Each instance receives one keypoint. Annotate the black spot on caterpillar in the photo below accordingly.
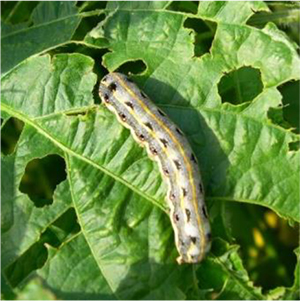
(177, 164)
(164, 142)
(148, 125)
(167, 145)
(129, 104)
(153, 150)
(188, 214)
(166, 172)
(194, 239)
(112, 87)
(141, 137)
(122, 116)
(172, 196)
(106, 98)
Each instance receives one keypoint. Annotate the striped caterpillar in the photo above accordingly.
(166, 144)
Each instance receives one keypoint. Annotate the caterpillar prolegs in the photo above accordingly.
(166, 144)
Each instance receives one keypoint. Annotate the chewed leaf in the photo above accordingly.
(244, 141)
(53, 24)
(49, 81)
(225, 11)
(232, 271)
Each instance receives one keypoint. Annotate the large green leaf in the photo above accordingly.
(125, 247)
(54, 22)
(124, 232)
(244, 157)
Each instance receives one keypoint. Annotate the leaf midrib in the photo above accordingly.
(31, 122)
(179, 107)
(224, 111)
(236, 279)
(80, 15)
(83, 228)
(41, 25)
(67, 150)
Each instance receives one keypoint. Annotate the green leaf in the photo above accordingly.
(49, 81)
(35, 290)
(17, 11)
(72, 272)
(225, 278)
(226, 11)
(19, 238)
(124, 232)
(135, 5)
(53, 23)
(250, 159)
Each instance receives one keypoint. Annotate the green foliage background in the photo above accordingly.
(83, 210)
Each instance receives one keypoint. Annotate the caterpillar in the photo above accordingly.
(166, 144)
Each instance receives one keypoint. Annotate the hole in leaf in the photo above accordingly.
(95, 54)
(276, 116)
(62, 229)
(267, 243)
(34, 258)
(132, 67)
(294, 146)
(204, 34)
(290, 99)
(184, 6)
(10, 134)
(41, 178)
(90, 5)
(85, 26)
(240, 85)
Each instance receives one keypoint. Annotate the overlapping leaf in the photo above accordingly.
(53, 23)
